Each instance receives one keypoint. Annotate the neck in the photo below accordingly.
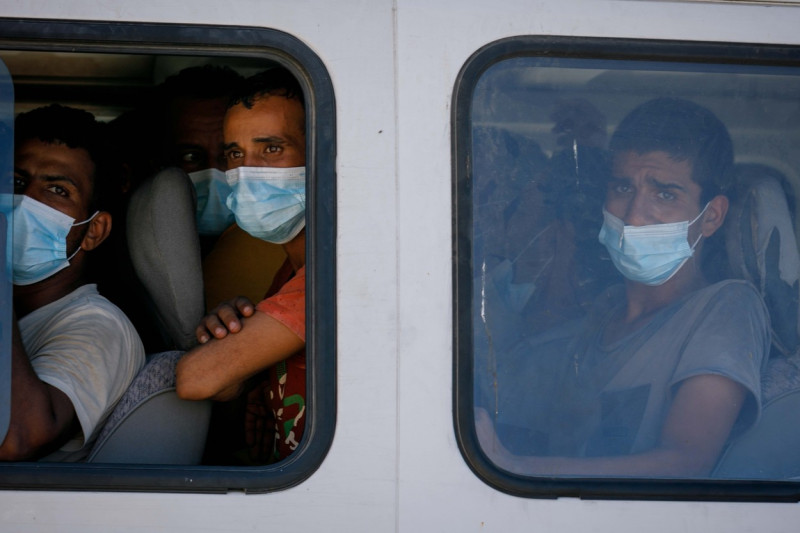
(644, 300)
(296, 251)
(29, 298)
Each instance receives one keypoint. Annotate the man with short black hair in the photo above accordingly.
(667, 366)
(189, 108)
(74, 353)
(265, 147)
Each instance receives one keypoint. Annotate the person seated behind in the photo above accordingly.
(73, 352)
(265, 147)
(536, 265)
(192, 107)
(667, 366)
(188, 112)
(179, 124)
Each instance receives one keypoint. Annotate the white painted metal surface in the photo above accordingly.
(394, 464)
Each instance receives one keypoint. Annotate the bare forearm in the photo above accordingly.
(693, 436)
(655, 463)
(41, 415)
(206, 373)
(218, 368)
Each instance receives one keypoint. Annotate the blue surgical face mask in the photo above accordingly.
(515, 296)
(213, 215)
(648, 254)
(39, 240)
(269, 202)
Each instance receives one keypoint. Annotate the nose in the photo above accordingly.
(216, 159)
(250, 160)
(638, 210)
(24, 187)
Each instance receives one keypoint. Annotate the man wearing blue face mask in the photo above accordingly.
(190, 109)
(666, 368)
(74, 353)
(265, 148)
(192, 105)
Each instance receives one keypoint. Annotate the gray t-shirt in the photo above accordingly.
(569, 394)
(83, 345)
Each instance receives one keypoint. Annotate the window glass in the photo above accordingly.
(126, 88)
(626, 241)
(6, 178)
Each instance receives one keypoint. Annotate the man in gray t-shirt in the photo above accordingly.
(665, 368)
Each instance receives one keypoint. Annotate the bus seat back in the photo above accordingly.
(165, 251)
(150, 424)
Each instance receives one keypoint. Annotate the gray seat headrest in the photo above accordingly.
(762, 248)
(165, 251)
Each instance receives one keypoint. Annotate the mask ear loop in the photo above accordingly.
(701, 214)
(695, 220)
(80, 224)
(693, 246)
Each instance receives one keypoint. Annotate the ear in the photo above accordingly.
(714, 215)
(99, 228)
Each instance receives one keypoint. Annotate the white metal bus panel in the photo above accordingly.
(394, 464)
(437, 41)
(434, 42)
(355, 488)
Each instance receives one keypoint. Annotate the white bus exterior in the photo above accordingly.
(394, 463)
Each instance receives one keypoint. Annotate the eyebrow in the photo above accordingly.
(617, 180)
(184, 146)
(271, 140)
(667, 186)
(49, 178)
(262, 140)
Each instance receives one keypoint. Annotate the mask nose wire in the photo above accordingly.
(695, 219)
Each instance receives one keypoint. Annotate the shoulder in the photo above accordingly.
(288, 305)
(294, 285)
(83, 317)
(725, 305)
(726, 324)
(730, 295)
(82, 304)
(733, 286)
(88, 306)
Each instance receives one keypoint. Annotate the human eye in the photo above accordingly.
(667, 196)
(233, 154)
(620, 187)
(192, 157)
(273, 149)
(19, 183)
(57, 189)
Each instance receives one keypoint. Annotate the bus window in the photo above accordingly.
(627, 265)
(138, 95)
(6, 180)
